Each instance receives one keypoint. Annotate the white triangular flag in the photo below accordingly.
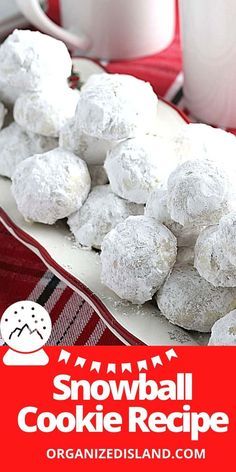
(64, 356)
(80, 361)
(156, 360)
(142, 365)
(95, 366)
(111, 368)
(126, 366)
(171, 353)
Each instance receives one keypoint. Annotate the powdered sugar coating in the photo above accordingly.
(227, 235)
(91, 149)
(137, 256)
(8, 94)
(46, 112)
(223, 332)
(201, 141)
(189, 301)
(30, 60)
(98, 175)
(50, 186)
(156, 207)
(210, 259)
(3, 113)
(16, 145)
(198, 192)
(138, 165)
(116, 106)
(101, 212)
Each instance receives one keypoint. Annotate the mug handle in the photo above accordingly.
(33, 12)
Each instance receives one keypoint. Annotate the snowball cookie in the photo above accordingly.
(98, 175)
(8, 94)
(198, 192)
(189, 301)
(156, 207)
(91, 149)
(137, 255)
(46, 112)
(101, 212)
(116, 106)
(138, 165)
(30, 60)
(3, 113)
(227, 235)
(16, 145)
(50, 186)
(210, 259)
(197, 140)
(223, 332)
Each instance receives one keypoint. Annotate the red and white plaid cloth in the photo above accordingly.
(23, 276)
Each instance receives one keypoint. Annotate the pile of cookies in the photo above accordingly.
(162, 209)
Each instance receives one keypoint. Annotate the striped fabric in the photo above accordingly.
(24, 277)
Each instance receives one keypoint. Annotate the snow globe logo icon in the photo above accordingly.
(25, 327)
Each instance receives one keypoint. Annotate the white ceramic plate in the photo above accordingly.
(80, 269)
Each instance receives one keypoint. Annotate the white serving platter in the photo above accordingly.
(80, 269)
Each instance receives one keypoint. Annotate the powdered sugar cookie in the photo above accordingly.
(50, 186)
(198, 192)
(223, 332)
(8, 94)
(137, 256)
(156, 207)
(46, 112)
(3, 113)
(189, 301)
(138, 165)
(210, 259)
(101, 212)
(116, 106)
(91, 149)
(30, 60)
(227, 235)
(16, 145)
(201, 141)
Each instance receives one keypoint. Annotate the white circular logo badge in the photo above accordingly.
(25, 326)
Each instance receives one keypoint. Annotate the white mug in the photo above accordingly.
(109, 29)
(209, 56)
